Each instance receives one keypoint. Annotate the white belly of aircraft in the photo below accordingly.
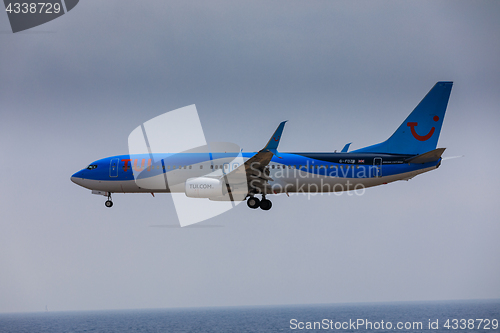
(312, 183)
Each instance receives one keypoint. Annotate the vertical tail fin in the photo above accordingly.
(419, 133)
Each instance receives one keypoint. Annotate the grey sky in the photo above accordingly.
(73, 89)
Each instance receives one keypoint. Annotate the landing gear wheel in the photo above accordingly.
(109, 203)
(253, 202)
(266, 204)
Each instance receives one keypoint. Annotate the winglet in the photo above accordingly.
(346, 147)
(272, 144)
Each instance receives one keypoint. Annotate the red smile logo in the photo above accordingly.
(421, 137)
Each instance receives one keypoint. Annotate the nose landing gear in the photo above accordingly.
(255, 203)
(108, 202)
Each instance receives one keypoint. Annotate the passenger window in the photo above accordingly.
(201, 166)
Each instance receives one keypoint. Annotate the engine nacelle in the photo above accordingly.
(204, 187)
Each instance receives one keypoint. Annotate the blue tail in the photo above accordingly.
(419, 133)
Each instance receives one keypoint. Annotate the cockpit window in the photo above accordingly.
(92, 167)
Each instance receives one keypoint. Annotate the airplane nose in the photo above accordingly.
(77, 177)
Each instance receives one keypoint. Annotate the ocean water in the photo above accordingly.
(479, 316)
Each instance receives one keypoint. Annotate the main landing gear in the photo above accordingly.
(108, 202)
(255, 203)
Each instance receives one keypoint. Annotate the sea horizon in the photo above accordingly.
(481, 315)
(262, 305)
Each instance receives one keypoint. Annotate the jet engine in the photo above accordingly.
(204, 187)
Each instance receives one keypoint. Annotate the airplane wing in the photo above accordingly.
(253, 175)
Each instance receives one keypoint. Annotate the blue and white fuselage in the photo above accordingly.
(292, 173)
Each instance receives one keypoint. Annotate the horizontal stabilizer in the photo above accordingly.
(430, 156)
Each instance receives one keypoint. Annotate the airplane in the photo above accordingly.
(409, 151)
